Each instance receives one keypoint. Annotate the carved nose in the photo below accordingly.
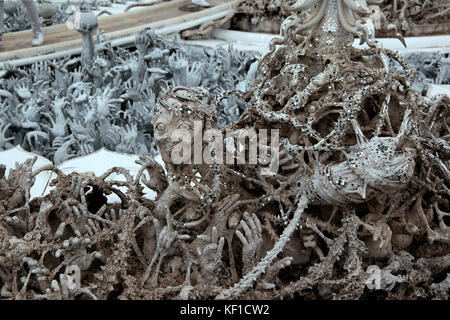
(162, 140)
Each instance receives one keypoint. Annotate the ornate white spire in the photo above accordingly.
(336, 19)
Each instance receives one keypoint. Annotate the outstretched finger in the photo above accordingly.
(204, 237)
(242, 238)
(76, 212)
(257, 223)
(248, 232)
(183, 237)
(220, 248)
(214, 235)
(251, 223)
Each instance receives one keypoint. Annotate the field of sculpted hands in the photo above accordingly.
(358, 208)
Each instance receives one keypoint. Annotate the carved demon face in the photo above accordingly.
(179, 110)
(309, 241)
(167, 122)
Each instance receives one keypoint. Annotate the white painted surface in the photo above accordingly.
(101, 161)
(438, 89)
(10, 157)
(97, 163)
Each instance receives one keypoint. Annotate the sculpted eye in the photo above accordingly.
(184, 126)
(161, 126)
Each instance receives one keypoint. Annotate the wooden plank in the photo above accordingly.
(17, 45)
